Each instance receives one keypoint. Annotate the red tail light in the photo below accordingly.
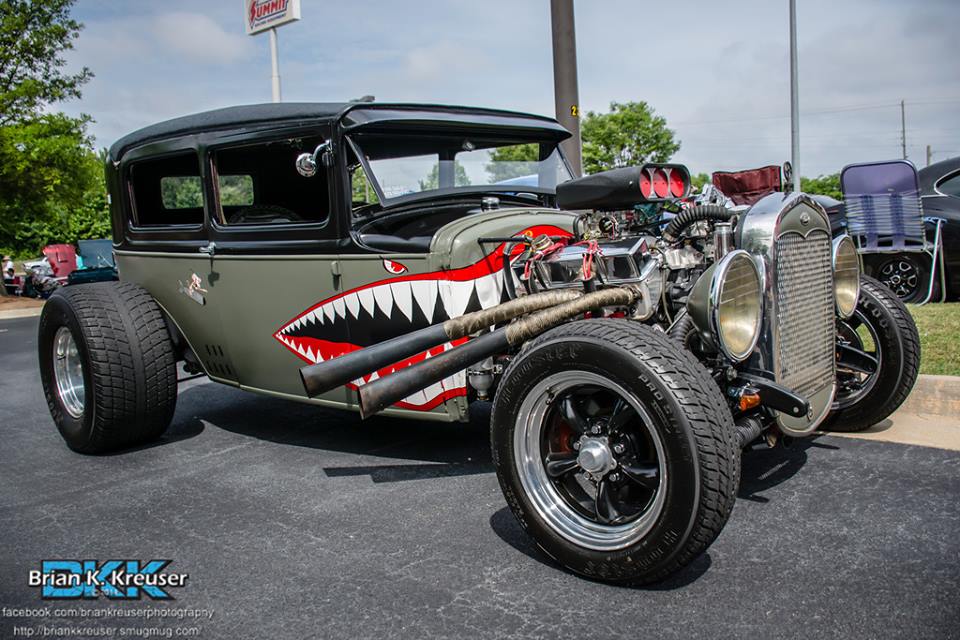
(661, 185)
(677, 185)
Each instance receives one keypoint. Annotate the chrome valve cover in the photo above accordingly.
(790, 234)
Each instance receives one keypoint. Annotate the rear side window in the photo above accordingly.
(950, 186)
(259, 184)
(181, 192)
(167, 191)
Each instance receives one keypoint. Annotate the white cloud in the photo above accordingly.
(718, 71)
(199, 37)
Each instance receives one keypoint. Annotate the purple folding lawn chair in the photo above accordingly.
(885, 213)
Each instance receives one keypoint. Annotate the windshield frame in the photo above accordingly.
(389, 202)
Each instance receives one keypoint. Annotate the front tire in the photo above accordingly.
(882, 327)
(107, 366)
(615, 450)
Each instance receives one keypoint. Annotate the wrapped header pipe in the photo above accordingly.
(383, 392)
(330, 374)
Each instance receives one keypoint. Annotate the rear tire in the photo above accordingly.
(897, 348)
(677, 407)
(107, 366)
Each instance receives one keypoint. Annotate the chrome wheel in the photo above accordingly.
(68, 372)
(590, 460)
(901, 275)
(854, 385)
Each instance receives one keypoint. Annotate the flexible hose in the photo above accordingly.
(695, 214)
(680, 328)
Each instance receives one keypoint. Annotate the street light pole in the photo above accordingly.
(565, 90)
(275, 65)
(794, 100)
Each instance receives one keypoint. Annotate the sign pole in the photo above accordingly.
(565, 89)
(267, 15)
(275, 64)
(794, 100)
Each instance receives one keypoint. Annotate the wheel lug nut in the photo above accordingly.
(618, 448)
(576, 445)
(596, 428)
(614, 477)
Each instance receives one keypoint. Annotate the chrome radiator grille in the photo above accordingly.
(805, 312)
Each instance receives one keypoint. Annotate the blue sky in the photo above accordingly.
(718, 71)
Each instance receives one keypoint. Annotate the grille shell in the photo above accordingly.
(790, 235)
(805, 346)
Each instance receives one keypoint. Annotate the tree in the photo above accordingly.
(630, 134)
(828, 185)
(513, 161)
(432, 180)
(33, 36)
(51, 180)
(697, 180)
(49, 174)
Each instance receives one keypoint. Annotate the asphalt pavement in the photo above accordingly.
(294, 521)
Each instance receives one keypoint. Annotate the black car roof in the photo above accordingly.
(259, 115)
(929, 176)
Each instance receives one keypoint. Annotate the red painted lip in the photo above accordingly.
(483, 278)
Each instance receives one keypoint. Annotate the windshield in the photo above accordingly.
(413, 166)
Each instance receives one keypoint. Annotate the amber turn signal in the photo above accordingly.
(749, 400)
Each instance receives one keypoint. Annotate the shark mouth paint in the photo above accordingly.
(396, 306)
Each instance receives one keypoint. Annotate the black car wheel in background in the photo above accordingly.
(906, 274)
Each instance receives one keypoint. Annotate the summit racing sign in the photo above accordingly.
(260, 15)
(115, 579)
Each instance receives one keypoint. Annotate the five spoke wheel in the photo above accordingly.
(591, 459)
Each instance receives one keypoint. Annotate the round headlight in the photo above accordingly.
(846, 275)
(736, 305)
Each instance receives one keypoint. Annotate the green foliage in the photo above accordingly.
(630, 134)
(512, 162)
(362, 188)
(49, 175)
(51, 180)
(33, 37)
(181, 192)
(697, 180)
(828, 185)
(432, 180)
(236, 191)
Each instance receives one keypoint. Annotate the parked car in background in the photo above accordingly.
(96, 258)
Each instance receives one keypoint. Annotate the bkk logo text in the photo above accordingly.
(115, 579)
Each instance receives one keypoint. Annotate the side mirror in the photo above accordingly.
(307, 162)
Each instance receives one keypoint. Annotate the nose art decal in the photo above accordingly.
(389, 308)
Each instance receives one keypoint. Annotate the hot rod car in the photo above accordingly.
(393, 258)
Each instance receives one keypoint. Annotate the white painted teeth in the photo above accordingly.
(366, 299)
(425, 293)
(404, 297)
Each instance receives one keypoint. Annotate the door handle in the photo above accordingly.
(210, 249)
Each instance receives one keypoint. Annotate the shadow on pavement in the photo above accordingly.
(507, 529)
(444, 449)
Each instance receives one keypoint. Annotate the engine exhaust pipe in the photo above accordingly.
(324, 376)
(378, 395)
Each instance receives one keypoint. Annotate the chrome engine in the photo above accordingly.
(769, 267)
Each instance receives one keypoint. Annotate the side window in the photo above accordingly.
(167, 191)
(259, 184)
(950, 186)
